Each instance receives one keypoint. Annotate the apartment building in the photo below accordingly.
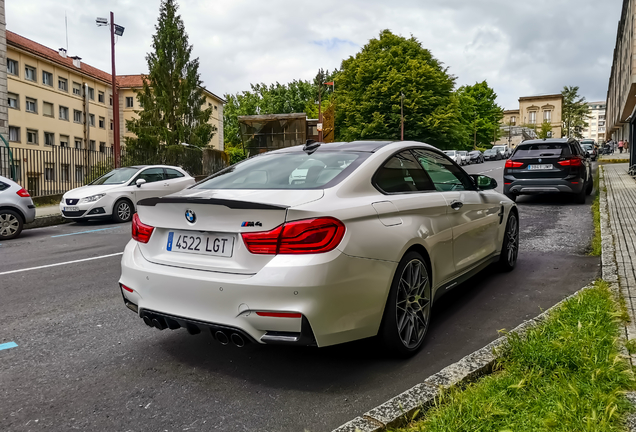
(523, 123)
(596, 122)
(127, 84)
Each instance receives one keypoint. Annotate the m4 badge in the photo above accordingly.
(251, 224)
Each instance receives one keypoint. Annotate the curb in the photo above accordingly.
(45, 221)
(400, 409)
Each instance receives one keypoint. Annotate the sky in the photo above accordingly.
(520, 48)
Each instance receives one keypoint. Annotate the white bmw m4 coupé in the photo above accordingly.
(317, 245)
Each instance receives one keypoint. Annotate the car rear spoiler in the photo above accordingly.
(233, 204)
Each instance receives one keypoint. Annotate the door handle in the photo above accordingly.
(456, 205)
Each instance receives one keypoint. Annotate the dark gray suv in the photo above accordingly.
(549, 166)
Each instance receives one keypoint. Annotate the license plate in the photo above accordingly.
(540, 167)
(71, 209)
(203, 244)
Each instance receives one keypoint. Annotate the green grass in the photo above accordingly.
(597, 245)
(566, 375)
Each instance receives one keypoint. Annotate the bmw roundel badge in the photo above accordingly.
(190, 216)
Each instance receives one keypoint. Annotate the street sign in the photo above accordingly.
(319, 127)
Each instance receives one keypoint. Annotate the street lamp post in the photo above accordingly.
(119, 31)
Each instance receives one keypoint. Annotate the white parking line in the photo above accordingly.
(483, 172)
(62, 263)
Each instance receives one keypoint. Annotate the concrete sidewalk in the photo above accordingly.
(614, 157)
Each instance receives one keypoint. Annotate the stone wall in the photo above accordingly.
(214, 161)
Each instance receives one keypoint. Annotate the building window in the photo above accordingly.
(216, 107)
(64, 141)
(13, 101)
(91, 93)
(129, 102)
(77, 116)
(79, 173)
(533, 117)
(49, 139)
(110, 101)
(78, 143)
(47, 78)
(14, 134)
(102, 147)
(63, 113)
(547, 115)
(65, 171)
(77, 89)
(91, 119)
(62, 84)
(513, 121)
(47, 109)
(102, 123)
(49, 171)
(111, 125)
(92, 145)
(30, 73)
(12, 67)
(32, 136)
(100, 96)
(32, 105)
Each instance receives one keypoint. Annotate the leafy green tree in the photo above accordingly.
(574, 112)
(369, 88)
(480, 115)
(172, 98)
(545, 131)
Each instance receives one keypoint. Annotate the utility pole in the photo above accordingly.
(117, 148)
(320, 111)
(475, 139)
(402, 114)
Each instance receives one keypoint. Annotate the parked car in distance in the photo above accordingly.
(492, 154)
(115, 194)
(262, 252)
(465, 157)
(455, 156)
(590, 147)
(476, 157)
(16, 209)
(555, 165)
(503, 150)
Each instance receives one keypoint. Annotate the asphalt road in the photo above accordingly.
(84, 361)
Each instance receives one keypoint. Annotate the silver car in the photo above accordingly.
(16, 208)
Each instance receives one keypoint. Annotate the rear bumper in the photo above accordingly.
(341, 298)
(541, 186)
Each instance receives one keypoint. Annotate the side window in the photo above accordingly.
(172, 174)
(400, 174)
(445, 175)
(151, 175)
(3, 186)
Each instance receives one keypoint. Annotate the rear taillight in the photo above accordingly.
(279, 314)
(299, 237)
(126, 288)
(512, 164)
(23, 193)
(140, 231)
(574, 162)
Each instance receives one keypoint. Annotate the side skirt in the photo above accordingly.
(464, 277)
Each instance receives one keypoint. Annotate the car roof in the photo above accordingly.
(358, 146)
(548, 140)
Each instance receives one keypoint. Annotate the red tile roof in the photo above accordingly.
(130, 81)
(52, 55)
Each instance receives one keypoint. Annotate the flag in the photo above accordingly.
(329, 83)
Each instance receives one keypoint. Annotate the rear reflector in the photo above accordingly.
(571, 162)
(23, 193)
(512, 164)
(126, 288)
(306, 236)
(140, 231)
(279, 314)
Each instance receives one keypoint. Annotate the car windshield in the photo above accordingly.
(587, 146)
(463, 153)
(449, 152)
(490, 151)
(116, 176)
(542, 150)
(286, 171)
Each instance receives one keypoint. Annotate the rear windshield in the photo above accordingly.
(286, 171)
(542, 150)
(449, 152)
(587, 146)
(490, 151)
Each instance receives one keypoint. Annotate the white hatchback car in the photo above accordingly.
(455, 156)
(115, 195)
(360, 243)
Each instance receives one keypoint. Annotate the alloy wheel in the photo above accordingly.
(123, 211)
(413, 303)
(9, 225)
(512, 234)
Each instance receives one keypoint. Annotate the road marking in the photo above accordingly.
(84, 232)
(63, 263)
(8, 345)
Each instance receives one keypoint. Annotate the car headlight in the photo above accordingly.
(91, 198)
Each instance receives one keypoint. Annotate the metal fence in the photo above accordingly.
(56, 170)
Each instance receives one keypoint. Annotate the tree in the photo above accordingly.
(545, 131)
(480, 114)
(574, 112)
(172, 97)
(370, 84)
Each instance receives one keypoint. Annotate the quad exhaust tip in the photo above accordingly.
(221, 337)
(238, 340)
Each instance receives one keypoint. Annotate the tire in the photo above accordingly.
(120, 214)
(510, 245)
(589, 188)
(512, 197)
(579, 198)
(403, 329)
(11, 224)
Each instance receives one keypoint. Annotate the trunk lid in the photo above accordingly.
(222, 214)
(536, 158)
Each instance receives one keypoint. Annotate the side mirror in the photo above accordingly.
(484, 182)
(139, 182)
